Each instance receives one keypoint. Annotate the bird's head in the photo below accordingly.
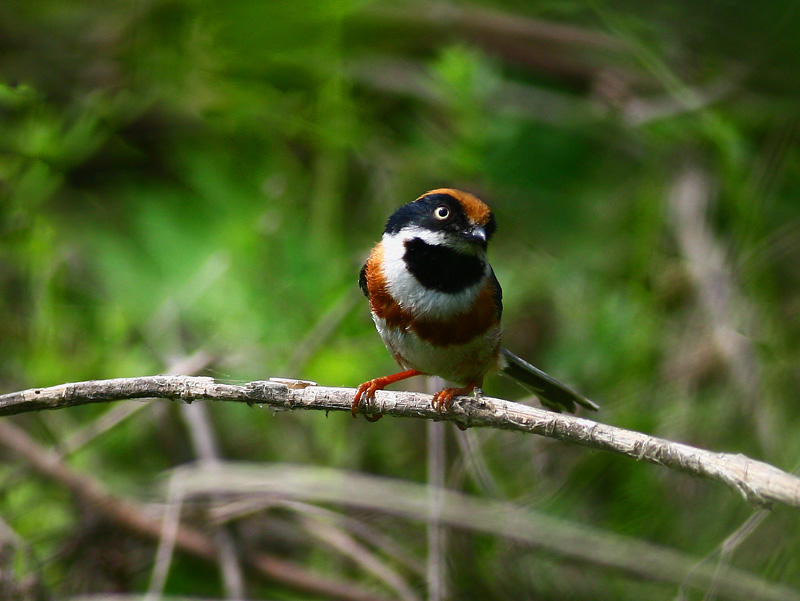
(445, 217)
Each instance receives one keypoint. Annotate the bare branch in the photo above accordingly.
(756, 481)
(193, 364)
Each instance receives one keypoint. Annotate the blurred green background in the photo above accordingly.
(201, 180)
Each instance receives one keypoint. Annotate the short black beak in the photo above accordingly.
(476, 235)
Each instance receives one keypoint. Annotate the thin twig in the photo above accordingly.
(170, 522)
(331, 535)
(475, 464)
(371, 536)
(756, 481)
(204, 442)
(436, 533)
(721, 556)
(718, 561)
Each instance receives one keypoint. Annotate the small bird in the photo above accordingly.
(437, 304)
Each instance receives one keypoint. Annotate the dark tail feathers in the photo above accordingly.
(551, 392)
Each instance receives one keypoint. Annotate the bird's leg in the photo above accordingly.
(367, 390)
(443, 400)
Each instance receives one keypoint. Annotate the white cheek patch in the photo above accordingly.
(426, 235)
(406, 289)
(439, 239)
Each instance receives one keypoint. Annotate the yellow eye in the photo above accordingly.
(441, 212)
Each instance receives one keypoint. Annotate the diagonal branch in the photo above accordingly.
(758, 482)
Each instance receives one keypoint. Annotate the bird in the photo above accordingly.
(437, 303)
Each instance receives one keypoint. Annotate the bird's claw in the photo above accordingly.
(366, 391)
(443, 400)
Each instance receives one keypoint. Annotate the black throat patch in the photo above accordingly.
(440, 268)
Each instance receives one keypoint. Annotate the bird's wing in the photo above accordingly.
(362, 280)
(498, 293)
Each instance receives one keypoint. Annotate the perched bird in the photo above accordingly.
(437, 303)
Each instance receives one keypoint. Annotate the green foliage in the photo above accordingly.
(181, 176)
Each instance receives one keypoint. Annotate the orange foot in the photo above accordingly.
(368, 389)
(443, 400)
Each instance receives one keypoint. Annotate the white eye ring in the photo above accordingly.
(441, 212)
